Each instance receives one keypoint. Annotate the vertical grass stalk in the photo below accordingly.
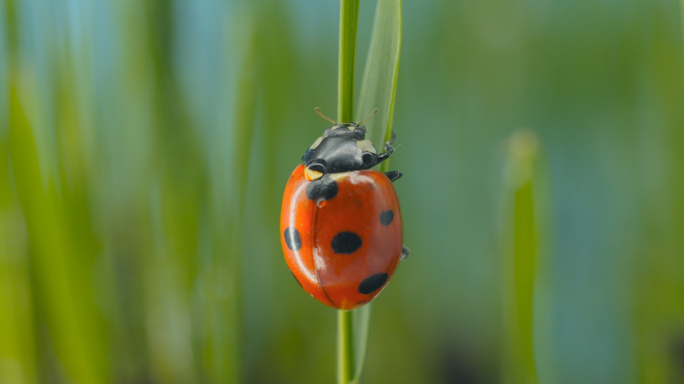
(349, 17)
(345, 347)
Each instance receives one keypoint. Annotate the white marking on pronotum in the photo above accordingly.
(365, 146)
(316, 143)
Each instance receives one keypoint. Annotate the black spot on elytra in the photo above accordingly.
(373, 283)
(386, 217)
(346, 242)
(292, 239)
(324, 188)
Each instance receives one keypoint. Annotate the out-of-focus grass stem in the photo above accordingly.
(520, 267)
(681, 9)
(16, 337)
(245, 116)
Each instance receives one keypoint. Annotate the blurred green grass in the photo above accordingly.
(144, 147)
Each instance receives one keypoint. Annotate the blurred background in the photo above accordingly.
(145, 146)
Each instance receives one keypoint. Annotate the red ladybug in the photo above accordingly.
(340, 223)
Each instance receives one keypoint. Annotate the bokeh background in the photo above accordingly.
(145, 145)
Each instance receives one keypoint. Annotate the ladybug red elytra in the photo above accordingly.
(340, 224)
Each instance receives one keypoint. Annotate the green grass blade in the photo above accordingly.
(349, 20)
(16, 305)
(17, 341)
(63, 281)
(379, 83)
(378, 89)
(521, 259)
(226, 316)
(361, 326)
(681, 9)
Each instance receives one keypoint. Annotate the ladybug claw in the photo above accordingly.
(391, 140)
(404, 252)
(393, 175)
(389, 149)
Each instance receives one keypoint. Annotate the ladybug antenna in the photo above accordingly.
(368, 118)
(324, 116)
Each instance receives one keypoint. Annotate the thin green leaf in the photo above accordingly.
(361, 325)
(62, 279)
(16, 336)
(17, 341)
(378, 89)
(379, 83)
(521, 258)
(230, 369)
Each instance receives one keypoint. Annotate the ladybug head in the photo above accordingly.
(342, 148)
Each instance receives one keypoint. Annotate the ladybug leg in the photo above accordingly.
(390, 141)
(393, 175)
(385, 155)
(404, 252)
(389, 149)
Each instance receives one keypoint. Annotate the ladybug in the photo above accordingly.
(340, 224)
